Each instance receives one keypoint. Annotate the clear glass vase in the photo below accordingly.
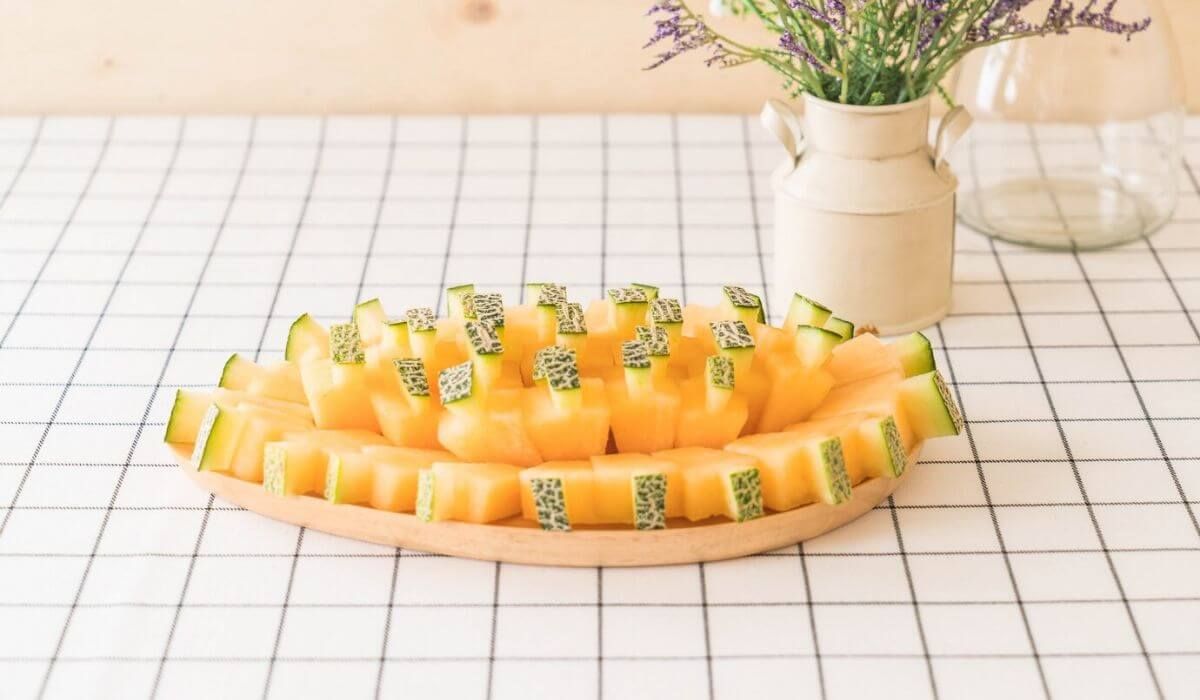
(1078, 138)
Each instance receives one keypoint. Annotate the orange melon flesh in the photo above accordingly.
(575, 434)
(280, 380)
(877, 396)
(755, 387)
(404, 426)
(262, 425)
(789, 465)
(231, 398)
(494, 431)
(349, 477)
(328, 439)
(703, 473)
(644, 423)
(579, 490)
(613, 475)
(695, 325)
(339, 395)
(394, 484)
(862, 357)
(700, 427)
(479, 492)
(793, 394)
(294, 468)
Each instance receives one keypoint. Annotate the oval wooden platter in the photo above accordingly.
(520, 541)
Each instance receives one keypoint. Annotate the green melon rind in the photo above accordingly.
(489, 309)
(744, 489)
(835, 482)
(425, 484)
(635, 355)
(915, 354)
(421, 320)
(550, 502)
(731, 335)
(456, 383)
(930, 407)
(719, 372)
(237, 373)
(649, 290)
(184, 401)
(345, 344)
(459, 302)
(571, 319)
(628, 295)
(665, 311)
(561, 370)
(840, 326)
(805, 311)
(658, 343)
(413, 379)
(814, 345)
(302, 334)
(649, 501)
(546, 355)
(333, 474)
(893, 447)
(482, 339)
(274, 469)
(216, 439)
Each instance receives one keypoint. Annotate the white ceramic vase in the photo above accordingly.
(864, 210)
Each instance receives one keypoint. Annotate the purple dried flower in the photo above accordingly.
(685, 32)
(834, 23)
(1104, 21)
(788, 43)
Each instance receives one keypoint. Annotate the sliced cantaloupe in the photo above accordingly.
(796, 469)
(577, 430)
(403, 425)
(187, 412)
(306, 339)
(338, 438)
(261, 425)
(369, 316)
(232, 398)
(294, 468)
(872, 444)
(646, 421)
(636, 489)
(705, 423)
(793, 394)
(559, 494)
(349, 477)
(394, 486)
(280, 381)
(491, 428)
(338, 395)
(717, 483)
(845, 429)
(480, 492)
(876, 396)
(862, 357)
(929, 406)
(217, 437)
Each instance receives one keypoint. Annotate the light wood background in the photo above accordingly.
(374, 56)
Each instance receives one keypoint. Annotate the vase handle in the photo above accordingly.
(954, 125)
(781, 121)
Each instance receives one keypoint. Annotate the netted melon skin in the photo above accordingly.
(833, 462)
(650, 501)
(425, 484)
(549, 499)
(731, 335)
(745, 494)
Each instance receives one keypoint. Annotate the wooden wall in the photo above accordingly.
(372, 56)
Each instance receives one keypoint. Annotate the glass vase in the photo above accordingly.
(1078, 137)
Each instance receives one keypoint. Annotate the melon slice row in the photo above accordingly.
(631, 412)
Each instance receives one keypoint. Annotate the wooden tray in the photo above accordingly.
(522, 542)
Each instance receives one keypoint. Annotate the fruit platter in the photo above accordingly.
(633, 431)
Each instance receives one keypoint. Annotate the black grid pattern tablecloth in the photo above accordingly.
(1052, 551)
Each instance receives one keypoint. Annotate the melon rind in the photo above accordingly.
(460, 302)
(305, 336)
(813, 345)
(425, 495)
(345, 344)
(456, 384)
(216, 439)
(550, 503)
(915, 354)
(649, 501)
(571, 319)
(889, 433)
(421, 320)
(840, 326)
(929, 406)
(835, 486)
(745, 494)
(805, 311)
(658, 343)
(187, 414)
(274, 468)
(649, 290)
(489, 309)
(665, 311)
(413, 379)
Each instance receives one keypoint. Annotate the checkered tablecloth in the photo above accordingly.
(1052, 550)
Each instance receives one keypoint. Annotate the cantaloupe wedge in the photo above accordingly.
(636, 489)
(559, 494)
(187, 412)
(793, 393)
(231, 398)
(862, 357)
(478, 426)
(704, 422)
(294, 468)
(349, 477)
(480, 492)
(394, 485)
(262, 425)
(567, 432)
(644, 412)
(797, 470)
(717, 483)
(338, 438)
(338, 395)
(306, 339)
(280, 380)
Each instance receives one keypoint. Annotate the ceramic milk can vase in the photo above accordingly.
(865, 210)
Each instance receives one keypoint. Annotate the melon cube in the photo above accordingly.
(480, 492)
(217, 438)
(294, 468)
(306, 339)
(793, 393)
(862, 357)
(394, 485)
(490, 430)
(402, 424)
(232, 398)
(349, 477)
(559, 494)
(929, 406)
(338, 438)
(262, 425)
(717, 483)
(702, 424)
(645, 422)
(187, 413)
(280, 381)
(572, 433)
(339, 395)
(623, 496)
(797, 469)
(877, 396)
